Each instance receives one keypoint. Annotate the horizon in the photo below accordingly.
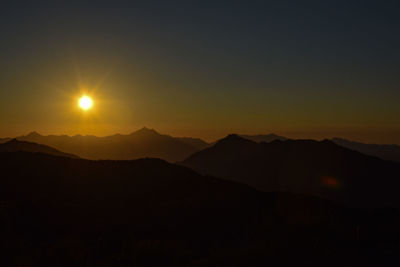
(289, 135)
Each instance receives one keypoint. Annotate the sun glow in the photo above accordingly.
(85, 103)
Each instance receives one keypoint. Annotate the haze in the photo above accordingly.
(203, 69)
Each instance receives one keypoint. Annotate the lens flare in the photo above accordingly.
(330, 182)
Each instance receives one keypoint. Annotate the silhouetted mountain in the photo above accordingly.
(383, 151)
(264, 137)
(14, 146)
(57, 211)
(322, 169)
(194, 142)
(142, 143)
(4, 140)
(387, 152)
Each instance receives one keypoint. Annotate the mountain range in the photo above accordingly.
(313, 199)
(320, 168)
(149, 143)
(139, 144)
(386, 152)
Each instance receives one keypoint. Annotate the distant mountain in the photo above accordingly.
(57, 211)
(15, 146)
(264, 137)
(4, 140)
(387, 152)
(322, 169)
(142, 143)
(194, 142)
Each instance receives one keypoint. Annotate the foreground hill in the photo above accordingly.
(142, 143)
(57, 211)
(303, 166)
(15, 146)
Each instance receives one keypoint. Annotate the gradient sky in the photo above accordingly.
(306, 69)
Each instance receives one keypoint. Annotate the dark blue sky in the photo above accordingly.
(205, 68)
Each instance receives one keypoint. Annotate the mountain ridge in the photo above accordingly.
(384, 151)
(184, 145)
(320, 168)
(144, 142)
(15, 145)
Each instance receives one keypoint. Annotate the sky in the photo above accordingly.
(304, 69)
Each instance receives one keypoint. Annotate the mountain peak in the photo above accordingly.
(232, 139)
(272, 135)
(264, 137)
(146, 130)
(233, 136)
(33, 134)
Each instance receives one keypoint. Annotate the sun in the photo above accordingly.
(85, 103)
